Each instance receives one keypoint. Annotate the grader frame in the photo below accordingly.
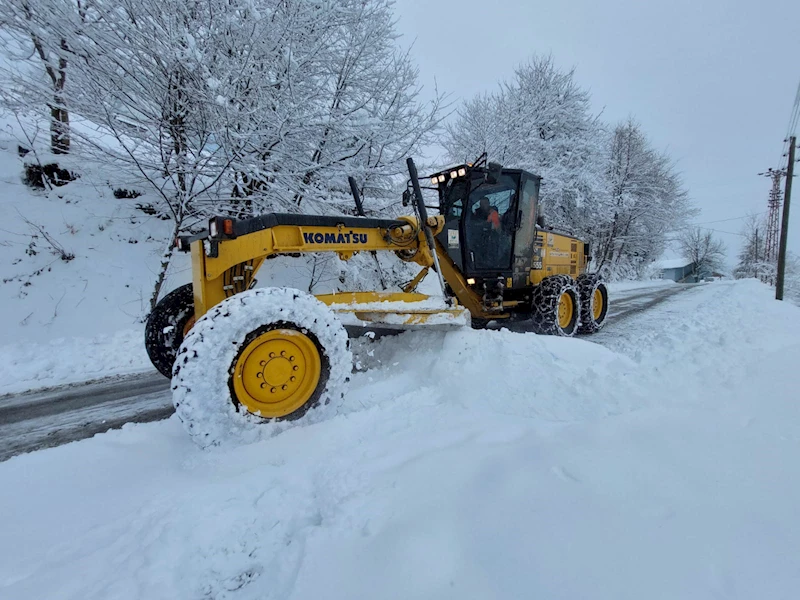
(242, 355)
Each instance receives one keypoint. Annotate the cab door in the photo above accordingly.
(451, 205)
(525, 252)
(489, 247)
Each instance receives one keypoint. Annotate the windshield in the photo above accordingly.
(499, 196)
(492, 197)
(486, 212)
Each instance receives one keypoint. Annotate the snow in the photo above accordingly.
(430, 303)
(117, 248)
(60, 361)
(467, 464)
(70, 321)
(673, 263)
(623, 287)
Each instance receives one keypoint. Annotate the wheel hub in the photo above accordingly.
(277, 373)
(597, 304)
(565, 310)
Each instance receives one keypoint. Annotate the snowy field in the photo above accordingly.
(471, 464)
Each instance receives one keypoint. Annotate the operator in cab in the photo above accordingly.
(487, 213)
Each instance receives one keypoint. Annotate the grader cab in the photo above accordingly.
(241, 356)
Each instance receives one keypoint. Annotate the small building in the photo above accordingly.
(681, 271)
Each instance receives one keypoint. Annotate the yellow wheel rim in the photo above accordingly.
(597, 304)
(565, 310)
(277, 373)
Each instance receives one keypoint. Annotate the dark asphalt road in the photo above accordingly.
(51, 417)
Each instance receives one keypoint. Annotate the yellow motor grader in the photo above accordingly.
(241, 356)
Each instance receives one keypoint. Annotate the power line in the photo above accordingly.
(794, 118)
(731, 219)
(673, 239)
(721, 231)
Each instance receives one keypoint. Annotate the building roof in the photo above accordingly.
(673, 263)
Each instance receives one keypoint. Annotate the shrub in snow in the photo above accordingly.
(41, 177)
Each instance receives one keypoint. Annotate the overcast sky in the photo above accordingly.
(711, 81)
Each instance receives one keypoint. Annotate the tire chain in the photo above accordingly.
(544, 304)
(586, 286)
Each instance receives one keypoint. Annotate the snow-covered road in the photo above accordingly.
(472, 464)
(55, 416)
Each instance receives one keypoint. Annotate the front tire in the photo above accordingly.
(556, 306)
(264, 355)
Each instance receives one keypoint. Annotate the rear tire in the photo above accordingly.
(594, 302)
(166, 327)
(261, 356)
(556, 306)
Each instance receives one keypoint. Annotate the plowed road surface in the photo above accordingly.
(51, 417)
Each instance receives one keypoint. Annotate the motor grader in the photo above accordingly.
(241, 356)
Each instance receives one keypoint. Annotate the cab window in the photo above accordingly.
(454, 200)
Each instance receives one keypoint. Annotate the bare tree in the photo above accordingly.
(703, 250)
(751, 258)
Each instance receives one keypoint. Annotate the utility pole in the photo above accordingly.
(773, 228)
(787, 196)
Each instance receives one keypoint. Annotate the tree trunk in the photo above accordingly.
(59, 127)
(166, 259)
(59, 116)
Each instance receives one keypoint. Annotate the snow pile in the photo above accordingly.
(60, 361)
(469, 464)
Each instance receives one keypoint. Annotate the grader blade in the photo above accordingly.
(397, 311)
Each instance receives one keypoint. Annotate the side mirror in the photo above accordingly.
(494, 172)
(406, 198)
(540, 221)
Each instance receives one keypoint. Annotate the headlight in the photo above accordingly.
(212, 228)
(453, 174)
(441, 178)
(434, 181)
(462, 171)
(471, 281)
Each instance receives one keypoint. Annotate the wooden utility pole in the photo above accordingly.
(787, 196)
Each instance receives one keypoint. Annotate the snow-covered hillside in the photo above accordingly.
(72, 320)
(471, 464)
(114, 243)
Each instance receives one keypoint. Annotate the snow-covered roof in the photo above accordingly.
(673, 263)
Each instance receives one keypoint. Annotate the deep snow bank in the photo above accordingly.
(472, 464)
